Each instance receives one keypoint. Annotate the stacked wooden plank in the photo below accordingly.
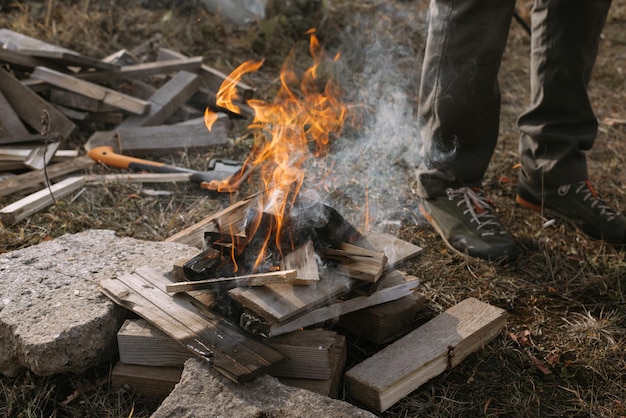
(51, 97)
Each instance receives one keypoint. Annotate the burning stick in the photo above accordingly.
(260, 279)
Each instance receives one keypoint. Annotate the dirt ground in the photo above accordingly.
(563, 351)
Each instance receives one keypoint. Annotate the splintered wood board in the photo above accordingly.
(211, 337)
(282, 301)
(439, 345)
(10, 123)
(94, 91)
(28, 105)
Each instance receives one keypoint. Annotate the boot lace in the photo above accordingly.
(591, 196)
(479, 210)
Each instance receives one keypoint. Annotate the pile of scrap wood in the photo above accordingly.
(293, 323)
(144, 101)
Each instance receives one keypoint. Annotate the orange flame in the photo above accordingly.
(295, 126)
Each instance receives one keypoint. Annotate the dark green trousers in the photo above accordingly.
(459, 107)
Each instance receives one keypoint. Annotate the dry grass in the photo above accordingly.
(562, 353)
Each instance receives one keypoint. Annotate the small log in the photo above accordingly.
(302, 259)
(259, 279)
(95, 91)
(439, 345)
(358, 262)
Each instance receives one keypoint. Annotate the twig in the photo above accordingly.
(45, 132)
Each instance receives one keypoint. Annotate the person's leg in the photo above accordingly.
(560, 124)
(459, 112)
(459, 103)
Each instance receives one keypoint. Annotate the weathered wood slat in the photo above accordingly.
(358, 262)
(35, 178)
(25, 207)
(166, 100)
(10, 123)
(232, 353)
(440, 344)
(95, 91)
(139, 142)
(192, 64)
(302, 259)
(28, 105)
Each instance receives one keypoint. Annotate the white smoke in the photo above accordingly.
(369, 167)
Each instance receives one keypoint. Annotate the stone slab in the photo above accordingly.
(202, 392)
(53, 318)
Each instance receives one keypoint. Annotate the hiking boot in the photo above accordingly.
(468, 225)
(578, 203)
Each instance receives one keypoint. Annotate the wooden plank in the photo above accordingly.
(11, 140)
(40, 49)
(327, 387)
(152, 382)
(166, 100)
(95, 91)
(28, 105)
(280, 302)
(333, 310)
(69, 58)
(22, 61)
(259, 279)
(383, 323)
(25, 207)
(141, 343)
(150, 140)
(439, 345)
(192, 64)
(35, 178)
(308, 353)
(10, 123)
(233, 353)
(78, 101)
